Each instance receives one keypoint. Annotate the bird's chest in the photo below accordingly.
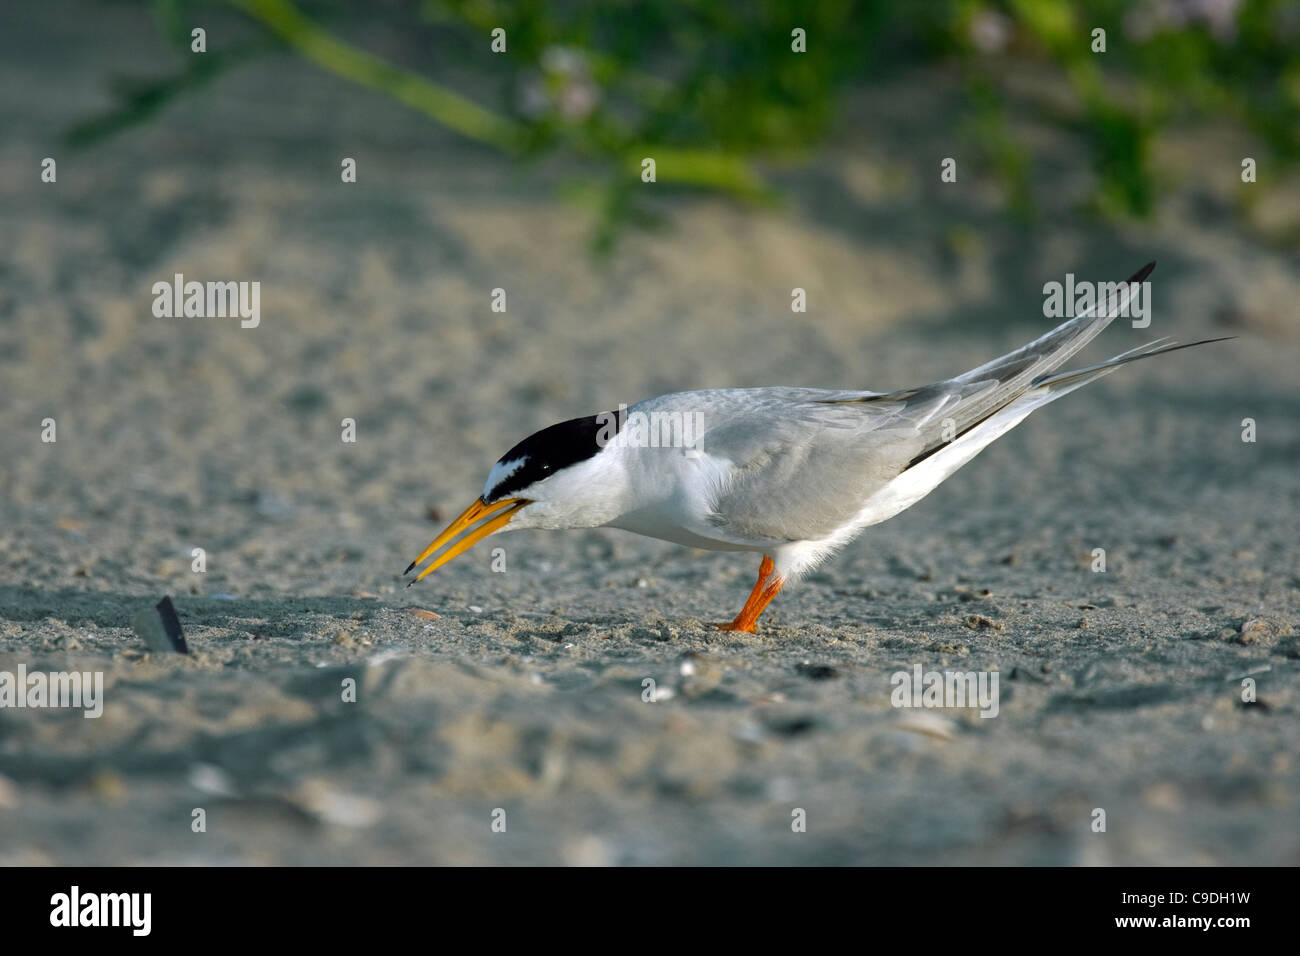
(672, 494)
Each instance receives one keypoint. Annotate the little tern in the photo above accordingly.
(791, 473)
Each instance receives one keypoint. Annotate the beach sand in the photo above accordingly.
(522, 699)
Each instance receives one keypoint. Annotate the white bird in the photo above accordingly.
(791, 473)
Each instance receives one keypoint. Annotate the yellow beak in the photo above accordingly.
(503, 510)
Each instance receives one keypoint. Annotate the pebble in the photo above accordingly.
(337, 807)
(927, 724)
(206, 778)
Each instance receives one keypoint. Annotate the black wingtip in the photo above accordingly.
(1221, 338)
(1141, 274)
(408, 569)
(1176, 346)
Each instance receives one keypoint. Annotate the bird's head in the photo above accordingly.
(555, 478)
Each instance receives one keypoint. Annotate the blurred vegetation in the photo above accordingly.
(712, 88)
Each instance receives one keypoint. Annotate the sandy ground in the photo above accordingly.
(1119, 690)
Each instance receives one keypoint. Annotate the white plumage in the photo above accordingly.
(792, 473)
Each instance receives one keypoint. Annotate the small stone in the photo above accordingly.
(422, 613)
(206, 778)
(926, 724)
(1259, 630)
(160, 628)
(337, 807)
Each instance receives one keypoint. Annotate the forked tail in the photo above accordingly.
(1068, 381)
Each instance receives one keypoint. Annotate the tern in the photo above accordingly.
(791, 473)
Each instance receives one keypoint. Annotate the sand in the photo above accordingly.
(521, 701)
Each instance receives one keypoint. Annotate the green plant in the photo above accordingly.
(711, 88)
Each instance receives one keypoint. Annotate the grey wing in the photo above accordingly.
(801, 469)
(974, 396)
(804, 460)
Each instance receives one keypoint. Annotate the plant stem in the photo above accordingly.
(333, 55)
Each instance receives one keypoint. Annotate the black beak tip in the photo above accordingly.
(408, 568)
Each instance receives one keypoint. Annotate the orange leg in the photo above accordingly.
(759, 598)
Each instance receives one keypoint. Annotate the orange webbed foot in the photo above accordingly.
(766, 588)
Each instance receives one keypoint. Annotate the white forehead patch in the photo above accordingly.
(501, 471)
